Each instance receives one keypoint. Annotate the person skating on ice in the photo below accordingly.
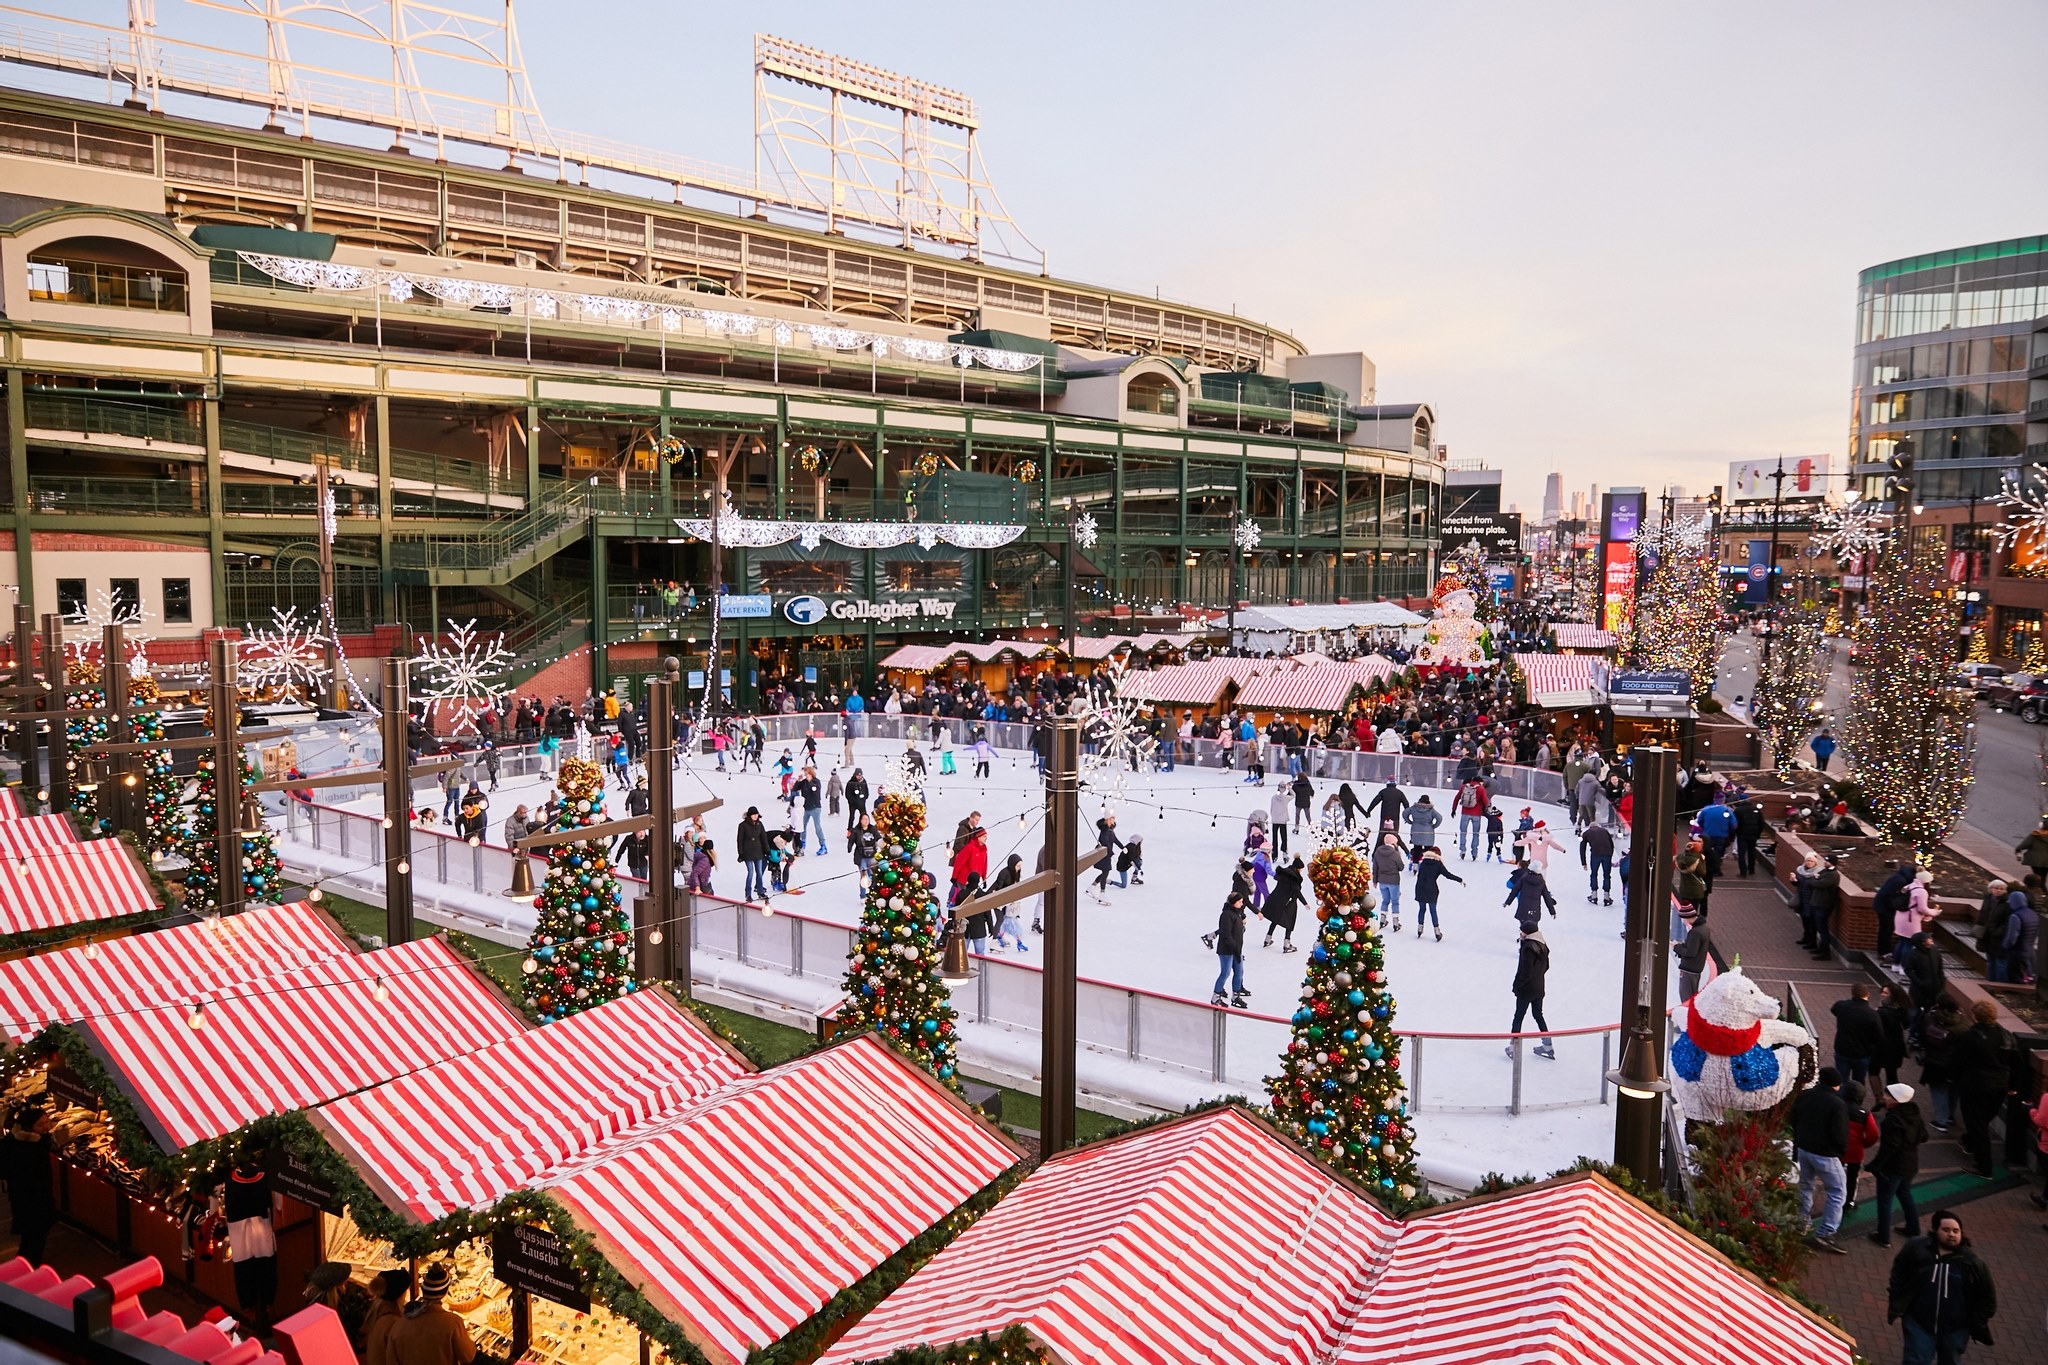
(1229, 944)
(1284, 904)
(1430, 869)
(1532, 966)
(1496, 834)
(1388, 862)
(1304, 794)
(1596, 855)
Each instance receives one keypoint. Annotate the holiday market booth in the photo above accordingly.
(1578, 637)
(1205, 687)
(1325, 688)
(162, 1053)
(1212, 1238)
(55, 887)
(657, 1198)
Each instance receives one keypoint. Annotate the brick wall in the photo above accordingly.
(569, 676)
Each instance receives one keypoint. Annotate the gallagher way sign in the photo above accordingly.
(809, 611)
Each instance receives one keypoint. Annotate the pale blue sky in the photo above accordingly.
(1619, 240)
(1616, 240)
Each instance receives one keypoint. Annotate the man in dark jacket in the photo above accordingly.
(856, 801)
(1532, 967)
(1900, 1134)
(1389, 802)
(1925, 975)
(1529, 893)
(1981, 1066)
(1824, 894)
(1693, 952)
(1820, 1137)
(751, 844)
(812, 793)
(1859, 1033)
(1886, 904)
(1596, 855)
(1230, 951)
(1749, 827)
(1942, 1292)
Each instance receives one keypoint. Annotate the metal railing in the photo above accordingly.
(501, 542)
(106, 285)
(103, 417)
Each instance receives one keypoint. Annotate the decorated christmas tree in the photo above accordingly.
(1340, 1091)
(81, 734)
(262, 873)
(892, 976)
(1455, 636)
(163, 811)
(581, 951)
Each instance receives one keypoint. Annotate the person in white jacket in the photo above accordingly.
(1538, 844)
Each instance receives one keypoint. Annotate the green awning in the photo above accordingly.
(308, 246)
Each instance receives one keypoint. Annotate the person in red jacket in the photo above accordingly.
(1862, 1131)
(971, 858)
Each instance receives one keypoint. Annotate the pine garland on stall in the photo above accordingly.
(1340, 1091)
(892, 975)
(1912, 729)
(581, 950)
(262, 872)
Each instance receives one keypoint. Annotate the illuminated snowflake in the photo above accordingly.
(104, 610)
(2026, 509)
(289, 656)
(466, 671)
(1859, 528)
(1086, 532)
(904, 777)
(1120, 729)
(1330, 831)
(1684, 537)
(1246, 535)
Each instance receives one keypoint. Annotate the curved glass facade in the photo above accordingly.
(1944, 346)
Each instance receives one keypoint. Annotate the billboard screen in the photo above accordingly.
(1620, 514)
(1499, 533)
(1618, 584)
(1757, 481)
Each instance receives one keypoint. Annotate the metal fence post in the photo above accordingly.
(1220, 1022)
(1131, 1025)
(476, 870)
(1515, 1095)
(1606, 1062)
(739, 932)
(796, 947)
(441, 861)
(1415, 1075)
(343, 823)
(981, 995)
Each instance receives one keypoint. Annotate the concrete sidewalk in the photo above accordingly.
(1752, 919)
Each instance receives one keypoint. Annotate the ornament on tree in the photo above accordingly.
(892, 975)
(262, 872)
(1455, 637)
(581, 951)
(163, 810)
(1340, 1092)
(82, 734)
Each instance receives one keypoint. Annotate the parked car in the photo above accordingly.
(2004, 693)
(1980, 676)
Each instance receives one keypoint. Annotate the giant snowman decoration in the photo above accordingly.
(1455, 636)
(1734, 1052)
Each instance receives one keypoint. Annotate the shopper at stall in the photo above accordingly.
(247, 1207)
(387, 1306)
(428, 1332)
(31, 1196)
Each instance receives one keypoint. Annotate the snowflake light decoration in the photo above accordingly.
(466, 671)
(1246, 534)
(1684, 537)
(95, 616)
(1854, 530)
(1124, 743)
(1331, 831)
(2026, 510)
(903, 777)
(1086, 532)
(289, 656)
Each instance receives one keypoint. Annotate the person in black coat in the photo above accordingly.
(1229, 942)
(1107, 839)
(1900, 1135)
(31, 1195)
(1889, 899)
(1532, 969)
(1430, 871)
(1389, 801)
(1528, 892)
(1925, 975)
(1981, 1065)
(1859, 1033)
(1749, 827)
(1304, 793)
(1283, 904)
(1941, 1292)
(750, 843)
(856, 802)
(1895, 1014)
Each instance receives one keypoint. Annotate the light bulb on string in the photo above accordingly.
(197, 1018)
(380, 993)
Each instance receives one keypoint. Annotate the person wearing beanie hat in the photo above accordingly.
(1900, 1134)
(428, 1333)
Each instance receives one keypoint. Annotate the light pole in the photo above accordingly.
(1639, 1112)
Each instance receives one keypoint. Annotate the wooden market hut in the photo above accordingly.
(56, 888)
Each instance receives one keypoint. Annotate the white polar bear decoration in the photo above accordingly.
(1734, 1052)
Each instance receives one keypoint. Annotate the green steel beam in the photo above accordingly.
(17, 476)
(216, 513)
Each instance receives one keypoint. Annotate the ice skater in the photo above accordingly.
(1262, 872)
(1008, 930)
(1430, 870)
(1496, 832)
(1596, 855)
(1532, 965)
(1130, 864)
(1388, 863)
(1281, 803)
(1228, 940)
(1304, 793)
(1107, 839)
(1282, 907)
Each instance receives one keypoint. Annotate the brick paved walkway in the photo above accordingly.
(1752, 919)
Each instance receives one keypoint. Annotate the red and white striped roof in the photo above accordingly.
(10, 804)
(741, 1216)
(1573, 1271)
(298, 1038)
(1579, 635)
(468, 1131)
(36, 831)
(1558, 680)
(69, 984)
(48, 888)
(1319, 687)
(920, 658)
(1201, 683)
(1210, 1241)
(1102, 646)
(1204, 1240)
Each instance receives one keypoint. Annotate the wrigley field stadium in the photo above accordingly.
(523, 362)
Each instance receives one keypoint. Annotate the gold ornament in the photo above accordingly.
(927, 464)
(672, 449)
(810, 459)
(580, 778)
(143, 688)
(1027, 471)
(82, 673)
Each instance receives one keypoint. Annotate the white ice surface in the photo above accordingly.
(1148, 937)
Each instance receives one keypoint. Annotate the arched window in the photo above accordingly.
(1153, 393)
(105, 272)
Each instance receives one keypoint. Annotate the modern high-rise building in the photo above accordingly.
(1944, 344)
(1553, 497)
(521, 363)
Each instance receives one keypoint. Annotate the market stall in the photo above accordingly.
(1578, 636)
(1109, 1254)
(1323, 688)
(10, 804)
(31, 833)
(55, 891)
(1558, 682)
(1203, 687)
(618, 1183)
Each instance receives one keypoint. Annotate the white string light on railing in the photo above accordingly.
(547, 304)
